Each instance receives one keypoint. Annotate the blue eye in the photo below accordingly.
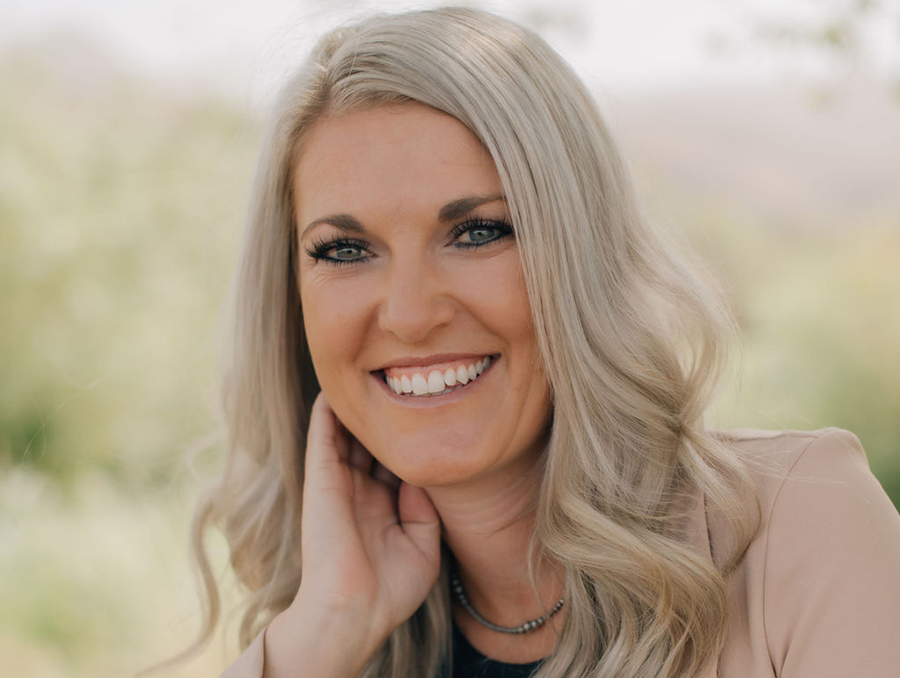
(343, 251)
(481, 232)
(346, 252)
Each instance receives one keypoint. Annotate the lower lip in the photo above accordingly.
(430, 401)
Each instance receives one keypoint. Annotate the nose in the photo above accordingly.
(415, 301)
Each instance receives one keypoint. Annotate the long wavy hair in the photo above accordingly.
(631, 337)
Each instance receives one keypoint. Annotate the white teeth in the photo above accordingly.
(419, 385)
(462, 375)
(405, 384)
(435, 382)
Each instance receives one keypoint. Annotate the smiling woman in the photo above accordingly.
(429, 288)
(466, 407)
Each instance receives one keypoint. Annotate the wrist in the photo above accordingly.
(314, 643)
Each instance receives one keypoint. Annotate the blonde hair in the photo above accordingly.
(631, 341)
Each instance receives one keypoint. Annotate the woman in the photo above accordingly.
(468, 394)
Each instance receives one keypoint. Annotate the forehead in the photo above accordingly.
(393, 158)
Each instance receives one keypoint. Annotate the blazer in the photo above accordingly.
(817, 594)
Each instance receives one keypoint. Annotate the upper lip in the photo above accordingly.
(424, 361)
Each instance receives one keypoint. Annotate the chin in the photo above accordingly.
(435, 467)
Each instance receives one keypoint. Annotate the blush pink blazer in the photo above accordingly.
(818, 592)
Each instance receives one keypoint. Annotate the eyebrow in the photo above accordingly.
(449, 212)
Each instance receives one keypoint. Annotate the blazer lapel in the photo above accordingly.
(698, 538)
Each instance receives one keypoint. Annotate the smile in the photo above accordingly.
(435, 380)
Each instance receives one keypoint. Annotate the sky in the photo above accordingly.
(245, 48)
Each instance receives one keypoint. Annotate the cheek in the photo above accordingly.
(495, 291)
(511, 312)
(333, 319)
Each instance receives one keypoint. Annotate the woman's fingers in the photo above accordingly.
(369, 541)
(419, 519)
(325, 441)
(328, 439)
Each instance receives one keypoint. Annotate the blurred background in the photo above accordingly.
(767, 132)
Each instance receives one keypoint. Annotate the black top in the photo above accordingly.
(470, 663)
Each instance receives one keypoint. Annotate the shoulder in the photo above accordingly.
(780, 459)
(804, 478)
(781, 450)
(813, 488)
(820, 577)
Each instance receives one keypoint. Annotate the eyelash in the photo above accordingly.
(318, 249)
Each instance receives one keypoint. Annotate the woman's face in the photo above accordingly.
(408, 269)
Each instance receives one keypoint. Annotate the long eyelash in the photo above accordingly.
(504, 227)
(318, 248)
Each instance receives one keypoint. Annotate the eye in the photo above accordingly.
(477, 232)
(337, 252)
(346, 252)
(470, 234)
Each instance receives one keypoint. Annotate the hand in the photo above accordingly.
(370, 543)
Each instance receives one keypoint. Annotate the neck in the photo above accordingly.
(488, 525)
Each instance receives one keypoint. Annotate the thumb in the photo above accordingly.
(419, 519)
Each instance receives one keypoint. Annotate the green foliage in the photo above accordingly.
(121, 207)
(819, 339)
(95, 581)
